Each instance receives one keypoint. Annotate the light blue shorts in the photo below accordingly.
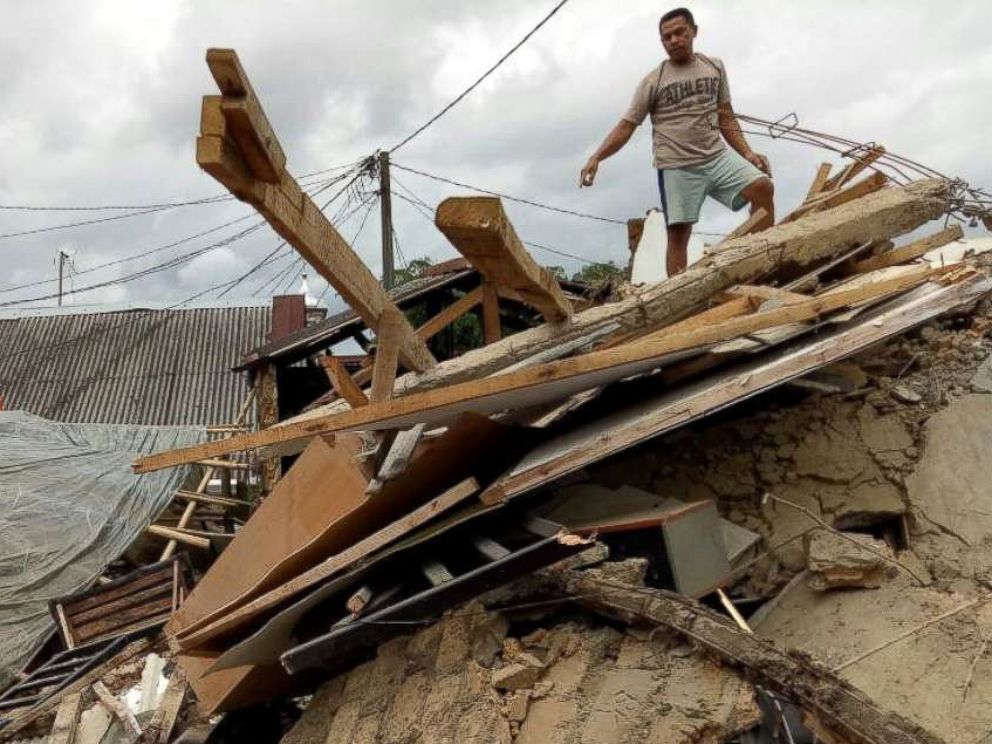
(723, 177)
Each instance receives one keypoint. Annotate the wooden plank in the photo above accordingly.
(911, 251)
(480, 230)
(243, 112)
(342, 381)
(298, 220)
(450, 314)
(492, 330)
(332, 565)
(66, 720)
(222, 464)
(211, 499)
(822, 173)
(724, 311)
(648, 418)
(172, 534)
(388, 339)
(400, 453)
(495, 393)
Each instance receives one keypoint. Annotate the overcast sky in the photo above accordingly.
(101, 101)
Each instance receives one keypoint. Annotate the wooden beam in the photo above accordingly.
(387, 349)
(390, 414)
(910, 251)
(243, 112)
(176, 535)
(232, 616)
(492, 330)
(342, 381)
(211, 499)
(222, 464)
(822, 173)
(478, 227)
(295, 216)
(450, 314)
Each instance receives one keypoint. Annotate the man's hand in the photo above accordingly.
(588, 175)
(760, 162)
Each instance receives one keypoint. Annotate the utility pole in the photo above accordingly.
(62, 258)
(386, 213)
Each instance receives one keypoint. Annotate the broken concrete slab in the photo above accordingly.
(835, 562)
(949, 491)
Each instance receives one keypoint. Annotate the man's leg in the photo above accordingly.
(678, 246)
(760, 194)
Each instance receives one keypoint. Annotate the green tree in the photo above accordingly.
(413, 270)
(600, 273)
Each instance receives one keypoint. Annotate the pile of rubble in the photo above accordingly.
(742, 504)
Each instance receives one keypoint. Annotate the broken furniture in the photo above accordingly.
(137, 602)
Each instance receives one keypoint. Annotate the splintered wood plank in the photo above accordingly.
(342, 382)
(119, 709)
(170, 534)
(249, 125)
(491, 327)
(480, 230)
(910, 251)
(550, 381)
(822, 174)
(387, 350)
(294, 215)
(163, 721)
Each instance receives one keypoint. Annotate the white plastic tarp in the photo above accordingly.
(69, 505)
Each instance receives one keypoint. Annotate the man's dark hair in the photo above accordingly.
(678, 12)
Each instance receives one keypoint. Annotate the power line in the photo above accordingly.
(508, 197)
(486, 74)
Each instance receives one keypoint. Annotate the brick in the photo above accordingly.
(442, 700)
(622, 702)
(366, 730)
(358, 682)
(387, 674)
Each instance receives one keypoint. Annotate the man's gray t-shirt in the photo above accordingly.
(682, 101)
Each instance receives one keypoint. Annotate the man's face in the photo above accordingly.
(676, 37)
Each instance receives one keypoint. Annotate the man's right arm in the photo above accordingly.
(615, 140)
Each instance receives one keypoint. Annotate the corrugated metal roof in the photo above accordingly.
(135, 367)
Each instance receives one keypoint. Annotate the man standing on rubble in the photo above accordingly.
(688, 99)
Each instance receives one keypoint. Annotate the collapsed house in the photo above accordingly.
(734, 505)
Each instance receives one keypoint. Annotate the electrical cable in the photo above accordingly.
(486, 74)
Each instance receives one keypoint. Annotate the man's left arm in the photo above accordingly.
(730, 128)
